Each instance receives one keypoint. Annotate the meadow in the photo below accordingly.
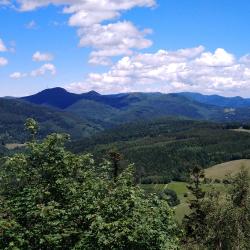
(216, 173)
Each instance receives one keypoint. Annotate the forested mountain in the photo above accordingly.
(14, 112)
(229, 102)
(111, 110)
(164, 149)
(84, 114)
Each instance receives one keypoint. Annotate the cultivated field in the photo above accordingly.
(182, 192)
(221, 171)
(12, 146)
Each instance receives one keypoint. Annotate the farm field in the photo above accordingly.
(182, 192)
(242, 130)
(220, 171)
(12, 146)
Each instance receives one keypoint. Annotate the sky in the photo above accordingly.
(114, 46)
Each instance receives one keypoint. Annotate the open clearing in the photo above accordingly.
(242, 130)
(221, 171)
(182, 192)
(12, 146)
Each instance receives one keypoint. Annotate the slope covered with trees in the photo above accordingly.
(165, 150)
(14, 113)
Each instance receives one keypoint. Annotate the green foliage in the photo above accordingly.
(170, 196)
(166, 149)
(226, 218)
(53, 199)
(193, 223)
(32, 126)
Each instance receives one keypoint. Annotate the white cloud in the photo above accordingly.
(17, 75)
(31, 25)
(173, 71)
(45, 68)
(2, 46)
(50, 68)
(219, 58)
(88, 16)
(3, 61)
(111, 40)
(74, 6)
(42, 57)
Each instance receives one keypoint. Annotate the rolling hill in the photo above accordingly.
(221, 101)
(221, 171)
(14, 112)
(111, 110)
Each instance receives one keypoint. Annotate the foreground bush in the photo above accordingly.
(53, 199)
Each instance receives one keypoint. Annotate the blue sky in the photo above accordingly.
(119, 46)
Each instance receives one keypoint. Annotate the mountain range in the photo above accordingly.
(110, 110)
(221, 101)
(85, 114)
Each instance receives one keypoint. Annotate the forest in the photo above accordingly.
(167, 149)
(52, 198)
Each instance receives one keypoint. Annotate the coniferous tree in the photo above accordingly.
(115, 158)
(194, 222)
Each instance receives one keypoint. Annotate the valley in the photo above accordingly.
(164, 136)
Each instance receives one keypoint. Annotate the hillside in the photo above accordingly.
(221, 171)
(164, 149)
(221, 101)
(110, 110)
(15, 112)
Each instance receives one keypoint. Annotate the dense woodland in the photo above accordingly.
(14, 113)
(167, 149)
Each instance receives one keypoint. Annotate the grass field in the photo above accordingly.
(181, 190)
(12, 146)
(242, 130)
(221, 171)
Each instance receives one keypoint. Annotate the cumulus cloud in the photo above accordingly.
(3, 61)
(111, 40)
(173, 71)
(219, 58)
(2, 46)
(88, 16)
(44, 69)
(42, 57)
(48, 67)
(74, 6)
(17, 75)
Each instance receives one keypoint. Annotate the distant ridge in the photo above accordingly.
(62, 99)
(227, 102)
(113, 109)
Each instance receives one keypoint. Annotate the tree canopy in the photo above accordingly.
(54, 199)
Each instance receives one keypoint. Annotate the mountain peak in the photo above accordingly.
(55, 90)
(55, 97)
(92, 93)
